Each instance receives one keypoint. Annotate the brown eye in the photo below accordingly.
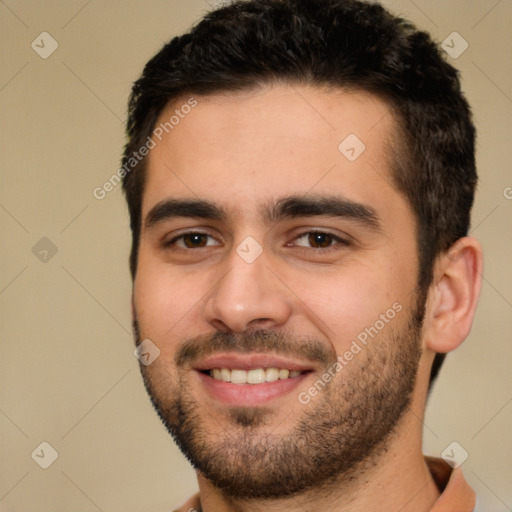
(320, 240)
(195, 240)
(192, 240)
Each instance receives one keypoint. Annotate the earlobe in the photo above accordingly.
(453, 295)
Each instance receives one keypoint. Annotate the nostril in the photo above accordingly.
(220, 325)
(260, 323)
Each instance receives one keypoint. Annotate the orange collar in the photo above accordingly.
(457, 495)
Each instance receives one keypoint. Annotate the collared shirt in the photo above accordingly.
(456, 494)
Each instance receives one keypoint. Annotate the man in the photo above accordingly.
(299, 176)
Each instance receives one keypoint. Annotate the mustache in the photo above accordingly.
(257, 341)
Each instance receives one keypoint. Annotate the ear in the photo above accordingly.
(453, 295)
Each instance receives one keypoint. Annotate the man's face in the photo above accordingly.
(275, 249)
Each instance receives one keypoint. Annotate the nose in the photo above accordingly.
(248, 296)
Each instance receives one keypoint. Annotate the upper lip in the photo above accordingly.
(251, 362)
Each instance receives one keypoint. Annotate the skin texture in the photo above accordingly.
(244, 153)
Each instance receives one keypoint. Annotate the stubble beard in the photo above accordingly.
(342, 431)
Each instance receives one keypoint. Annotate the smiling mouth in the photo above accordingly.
(250, 380)
(254, 376)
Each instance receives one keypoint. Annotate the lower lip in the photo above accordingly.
(248, 395)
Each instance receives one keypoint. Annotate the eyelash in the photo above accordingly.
(337, 240)
(174, 240)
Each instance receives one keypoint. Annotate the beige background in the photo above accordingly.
(67, 372)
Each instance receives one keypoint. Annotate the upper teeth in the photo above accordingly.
(256, 376)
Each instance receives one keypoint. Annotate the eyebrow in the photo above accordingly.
(284, 208)
(325, 206)
(192, 208)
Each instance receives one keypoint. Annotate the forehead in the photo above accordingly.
(241, 149)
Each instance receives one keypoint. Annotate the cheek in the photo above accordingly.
(343, 306)
(166, 301)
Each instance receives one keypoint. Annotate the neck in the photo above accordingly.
(397, 476)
